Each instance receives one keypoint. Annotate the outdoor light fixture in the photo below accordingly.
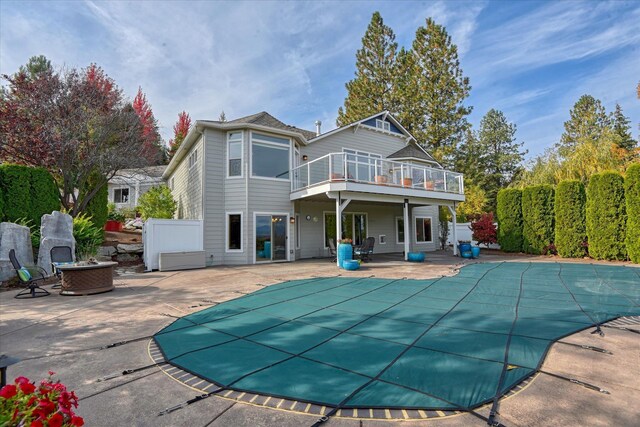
(305, 157)
(308, 217)
(292, 220)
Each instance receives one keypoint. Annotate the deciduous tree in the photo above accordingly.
(180, 130)
(153, 149)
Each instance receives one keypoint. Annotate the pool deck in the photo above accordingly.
(142, 304)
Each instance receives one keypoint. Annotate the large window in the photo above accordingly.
(193, 159)
(354, 227)
(234, 154)
(121, 195)
(399, 229)
(269, 156)
(423, 230)
(234, 232)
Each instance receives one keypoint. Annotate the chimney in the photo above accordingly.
(318, 124)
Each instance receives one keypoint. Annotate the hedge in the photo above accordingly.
(98, 206)
(26, 193)
(509, 212)
(537, 218)
(571, 230)
(632, 197)
(606, 216)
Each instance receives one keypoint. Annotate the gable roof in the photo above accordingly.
(265, 119)
(412, 151)
(386, 116)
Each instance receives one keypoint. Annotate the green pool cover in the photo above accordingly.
(449, 343)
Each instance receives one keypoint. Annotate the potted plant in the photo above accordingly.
(407, 182)
(428, 185)
(381, 179)
(344, 251)
(114, 219)
(337, 177)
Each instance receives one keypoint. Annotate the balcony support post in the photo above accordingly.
(407, 233)
(454, 235)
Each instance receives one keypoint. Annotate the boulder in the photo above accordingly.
(107, 251)
(17, 237)
(126, 257)
(56, 230)
(135, 248)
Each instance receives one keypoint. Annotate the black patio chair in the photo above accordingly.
(60, 255)
(30, 276)
(365, 252)
(332, 251)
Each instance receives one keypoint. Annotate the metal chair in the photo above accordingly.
(365, 252)
(332, 251)
(28, 276)
(60, 255)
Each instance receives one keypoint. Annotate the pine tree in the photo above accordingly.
(371, 90)
(471, 159)
(35, 66)
(620, 125)
(587, 123)
(440, 121)
(180, 130)
(223, 117)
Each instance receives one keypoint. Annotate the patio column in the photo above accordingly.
(340, 206)
(407, 233)
(454, 236)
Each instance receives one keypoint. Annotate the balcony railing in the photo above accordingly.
(346, 167)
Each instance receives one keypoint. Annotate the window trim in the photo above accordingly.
(193, 154)
(416, 231)
(398, 242)
(226, 233)
(324, 226)
(275, 145)
(383, 125)
(241, 155)
(124, 187)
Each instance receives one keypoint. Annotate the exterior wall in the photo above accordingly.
(363, 139)
(214, 220)
(143, 187)
(187, 185)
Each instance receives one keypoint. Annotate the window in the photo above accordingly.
(121, 195)
(361, 166)
(383, 124)
(399, 229)
(354, 227)
(234, 154)
(234, 232)
(269, 156)
(423, 230)
(193, 158)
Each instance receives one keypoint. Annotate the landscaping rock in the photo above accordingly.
(107, 251)
(56, 230)
(126, 257)
(135, 248)
(17, 237)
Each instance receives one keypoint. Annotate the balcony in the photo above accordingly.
(351, 172)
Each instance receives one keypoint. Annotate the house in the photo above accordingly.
(268, 192)
(127, 185)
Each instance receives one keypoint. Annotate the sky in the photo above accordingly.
(532, 60)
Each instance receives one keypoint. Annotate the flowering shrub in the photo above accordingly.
(484, 230)
(345, 241)
(47, 405)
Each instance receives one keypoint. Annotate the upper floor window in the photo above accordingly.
(121, 195)
(383, 124)
(193, 158)
(270, 157)
(234, 154)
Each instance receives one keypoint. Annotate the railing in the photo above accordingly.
(346, 167)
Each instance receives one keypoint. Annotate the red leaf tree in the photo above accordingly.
(152, 142)
(180, 130)
(484, 230)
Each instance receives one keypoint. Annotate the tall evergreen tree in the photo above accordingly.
(588, 121)
(371, 89)
(500, 154)
(442, 89)
(471, 158)
(620, 125)
(35, 66)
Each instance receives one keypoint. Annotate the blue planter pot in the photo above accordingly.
(344, 253)
(350, 265)
(475, 252)
(464, 247)
(466, 254)
(415, 256)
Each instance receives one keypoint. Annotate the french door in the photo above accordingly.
(271, 237)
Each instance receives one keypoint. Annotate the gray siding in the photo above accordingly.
(363, 139)
(187, 185)
(214, 193)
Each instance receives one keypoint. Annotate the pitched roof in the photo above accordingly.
(265, 119)
(150, 171)
(411, 150)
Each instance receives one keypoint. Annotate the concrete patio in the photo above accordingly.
(64, 334)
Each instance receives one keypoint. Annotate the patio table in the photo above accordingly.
(87, 279)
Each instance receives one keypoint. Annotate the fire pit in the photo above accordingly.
(87, 279)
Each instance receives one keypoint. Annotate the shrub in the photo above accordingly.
(632, 197)
(571, 228)
(606, 217)
(510, 219)
(45, 196)
(97, 208)
(157, 203)
(34, 232)
(484, 230)
(16, 188)
(537, 218)
(88, 236)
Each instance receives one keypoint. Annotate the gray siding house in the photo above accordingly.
(269, 192)
(127, 185)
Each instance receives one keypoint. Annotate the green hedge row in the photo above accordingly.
(632, 196)
(509, 211)
(571, 230)
(606, 216)
(537, 219)
(26, 192)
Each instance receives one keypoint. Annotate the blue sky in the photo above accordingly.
(532, 60)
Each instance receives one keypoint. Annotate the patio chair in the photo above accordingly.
(332, 251)
(30, 276)
(60, 255)
(365, 252)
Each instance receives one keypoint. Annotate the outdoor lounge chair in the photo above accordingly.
(365, 252)
(60, 255)
(332, 251)
(30, 276)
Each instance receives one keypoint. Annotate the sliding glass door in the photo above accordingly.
(271, 237)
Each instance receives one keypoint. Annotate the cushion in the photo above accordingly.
(24, 274)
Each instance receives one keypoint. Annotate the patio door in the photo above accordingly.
(271, 237)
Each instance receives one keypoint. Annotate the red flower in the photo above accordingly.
(8, 391)
(36, 423)
(51, 373)
(22, 380)
(55, 420)
(27, 388)
(77, 421)
(47, 406)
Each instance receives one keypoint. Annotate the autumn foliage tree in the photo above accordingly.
(74, 123)
(180, 130)
(153, 150)
(484, 230)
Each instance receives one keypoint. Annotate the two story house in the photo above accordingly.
(269, 192)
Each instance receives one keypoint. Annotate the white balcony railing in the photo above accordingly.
(346, 167)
